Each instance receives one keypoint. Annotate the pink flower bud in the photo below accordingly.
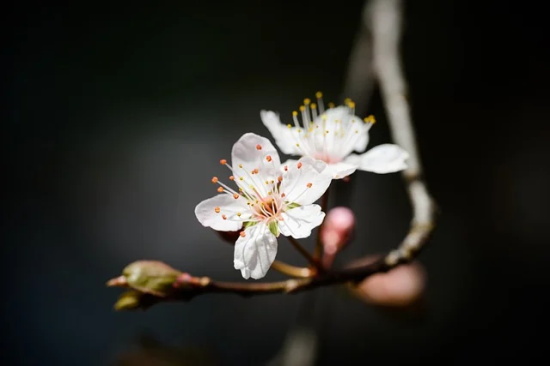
(400, 287)
(336, 232)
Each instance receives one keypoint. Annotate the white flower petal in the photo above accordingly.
(339, 132)
(287, 164)
(363, 138)
(340, 170)
(305, 181)
(298, 222)
(255, 160)
(284, 136)
(255, 252)
(341, 113)
(386, 158)
(228, 208)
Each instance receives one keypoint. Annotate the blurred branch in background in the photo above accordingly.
(386, 20)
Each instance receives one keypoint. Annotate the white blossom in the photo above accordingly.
(270, 200)
(331, 136)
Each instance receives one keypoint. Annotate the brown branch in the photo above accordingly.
(318, 252)
(295, 285)
(168, 284)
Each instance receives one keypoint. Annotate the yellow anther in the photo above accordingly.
(313, 106)
(347, 101)
(289, 125)
(351, 104)
(307, 101)
(331, 105)
(318, 95)
(302, 108)
(294, 113)
(370, 119)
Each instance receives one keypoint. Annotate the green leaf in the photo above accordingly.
(248, 224)
(274, 228)
(290, 206)
(134, 300)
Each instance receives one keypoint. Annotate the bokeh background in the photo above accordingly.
(115, 117)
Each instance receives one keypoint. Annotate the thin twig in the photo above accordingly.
(314, 262)
(319, 243)
(293, 271)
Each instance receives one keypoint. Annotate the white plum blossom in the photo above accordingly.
(270, 200)
(331, 136)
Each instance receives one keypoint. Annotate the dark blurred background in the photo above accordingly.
(115, 117)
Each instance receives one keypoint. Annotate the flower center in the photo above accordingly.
(268, 209)
(328, 135)
(265, 200)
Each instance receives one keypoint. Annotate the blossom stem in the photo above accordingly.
(314, 262)
(319, 244)
(293, 271)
